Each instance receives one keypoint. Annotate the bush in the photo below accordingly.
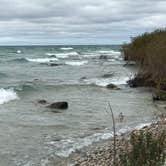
(146, 150)
(149, 51)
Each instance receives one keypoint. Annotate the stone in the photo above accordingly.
(58, 105)
(42, 101)
(103, 57)
(112, 86)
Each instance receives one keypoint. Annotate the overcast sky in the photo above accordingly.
(78, 21)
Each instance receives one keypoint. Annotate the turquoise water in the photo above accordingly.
(31, 134)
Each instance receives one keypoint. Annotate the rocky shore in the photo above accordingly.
(101, 154)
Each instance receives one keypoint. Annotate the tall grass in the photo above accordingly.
(149, 51)
(146, 150)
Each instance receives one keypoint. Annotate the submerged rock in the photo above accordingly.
(42, 101)
(112, 86)
(55, 64)
(103, 57)
(58, 105)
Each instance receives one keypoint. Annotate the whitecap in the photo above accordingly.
(76, 63)
(18, 51)
(7, 95)
(110, 52)
(66, 48)
(63, 55)
(103, 82)
(42, 60)
(120, 81)
(51, 54)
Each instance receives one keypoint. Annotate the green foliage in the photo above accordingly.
(146, 150)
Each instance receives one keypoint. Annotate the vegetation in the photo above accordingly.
(146, 150)
(149, 51)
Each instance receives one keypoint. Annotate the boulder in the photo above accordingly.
(112, 86)
(58, 105)
(42, 101)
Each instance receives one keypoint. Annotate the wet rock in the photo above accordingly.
(58, 105)
(54, 64)
(112, 86)
(42, 101)
(83, 78)
(103, 57)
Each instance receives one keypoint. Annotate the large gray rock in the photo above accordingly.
(58, 105)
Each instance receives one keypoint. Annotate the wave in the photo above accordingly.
(63, 55)
(68, 146)
(103, 82)
(110, 52)
(66, 48)
(76, 63)
(18, 51)
(42, 60)
(7, 95)
(20, 60)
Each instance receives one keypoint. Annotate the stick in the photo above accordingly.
(114, 131)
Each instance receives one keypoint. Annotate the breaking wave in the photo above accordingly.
(76, 63)
(7, 95)
(68, 146)
(66, 48)
(42, 60)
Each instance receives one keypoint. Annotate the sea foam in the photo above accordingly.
(66, 147)
(63, 55)
(7, 95)
(76, 63)
(66, 48)
(42, 60)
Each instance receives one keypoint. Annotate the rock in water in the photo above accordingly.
(103, 57)
(42, 101)
(112, 86)
(58, 105)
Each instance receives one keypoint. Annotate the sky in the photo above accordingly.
(70, 22)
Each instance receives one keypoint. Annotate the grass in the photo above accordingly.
(146, 150)
(149, 51)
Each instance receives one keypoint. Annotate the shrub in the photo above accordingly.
(146, 150)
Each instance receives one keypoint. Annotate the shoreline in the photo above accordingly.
(101, 153)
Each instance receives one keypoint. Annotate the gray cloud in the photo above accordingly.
(78, 21)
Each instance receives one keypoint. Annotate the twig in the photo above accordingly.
(114, 131)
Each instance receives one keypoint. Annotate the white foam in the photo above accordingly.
(51, 54)
(18, 51)
(7, 95)
(110, 52)
(120, 81)
(42, 60)
(76, 63)
(63, 55)
(66, 48)
(103, 82)
(66, 147)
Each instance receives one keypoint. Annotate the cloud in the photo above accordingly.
(77, 21)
